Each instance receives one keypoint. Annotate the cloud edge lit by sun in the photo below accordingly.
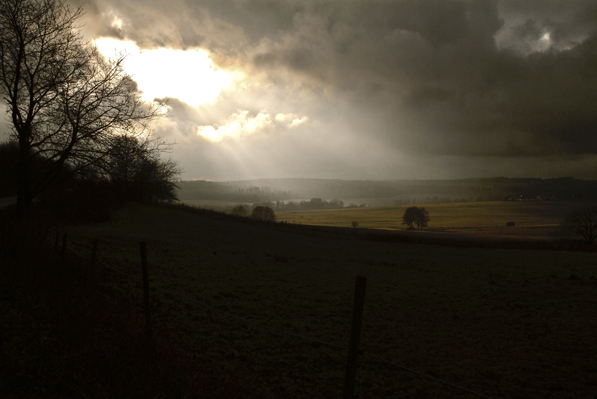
(241, 124)
(187, 75)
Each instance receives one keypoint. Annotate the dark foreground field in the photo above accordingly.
(252, 300)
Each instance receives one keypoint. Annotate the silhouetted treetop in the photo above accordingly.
(583, 222)
(64, 98)
(264, 213)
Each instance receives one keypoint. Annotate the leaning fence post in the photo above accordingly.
(355, 336)
(146, 294)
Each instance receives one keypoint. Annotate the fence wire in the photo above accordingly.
(105, 265)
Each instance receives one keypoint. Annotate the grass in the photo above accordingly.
(505, 323)
(66, 332)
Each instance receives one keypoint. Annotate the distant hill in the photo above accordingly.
(394, 191)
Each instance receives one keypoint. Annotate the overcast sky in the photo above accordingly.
(365, 89)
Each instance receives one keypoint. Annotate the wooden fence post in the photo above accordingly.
(355, 336)
(146, 302)
(56, 242)
(63, 255)
(93, 258)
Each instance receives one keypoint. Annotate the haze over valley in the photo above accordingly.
(384, 193)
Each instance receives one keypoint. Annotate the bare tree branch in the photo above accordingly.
(65, 100)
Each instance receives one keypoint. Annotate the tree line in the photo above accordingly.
(226, 191)
(75, 116)
(306, 205)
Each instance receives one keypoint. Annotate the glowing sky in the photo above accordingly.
(359, 89)
(188, 75)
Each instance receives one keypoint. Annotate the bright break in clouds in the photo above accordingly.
(365, 89)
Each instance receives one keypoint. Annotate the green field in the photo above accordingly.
(533, 219)
(263, 301)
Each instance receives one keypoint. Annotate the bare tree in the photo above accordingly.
(582, 222)
(124, 158)
(134, 165)
(157, 181)
(64, 99)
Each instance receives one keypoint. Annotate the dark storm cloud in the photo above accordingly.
(451, 90)
(155, 23)
(483, 78)
(568, 22)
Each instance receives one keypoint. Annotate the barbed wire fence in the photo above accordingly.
(360, 282)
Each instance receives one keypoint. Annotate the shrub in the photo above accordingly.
(264, 213)
(239, 210)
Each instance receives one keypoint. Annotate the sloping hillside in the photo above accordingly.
(274, 303)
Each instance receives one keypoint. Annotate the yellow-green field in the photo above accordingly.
(533, 219)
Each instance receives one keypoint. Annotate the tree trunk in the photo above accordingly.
(23, 179)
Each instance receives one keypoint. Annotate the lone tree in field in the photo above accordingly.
(582, 222)
(264, 213)
(415, 215)
(64, 99)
